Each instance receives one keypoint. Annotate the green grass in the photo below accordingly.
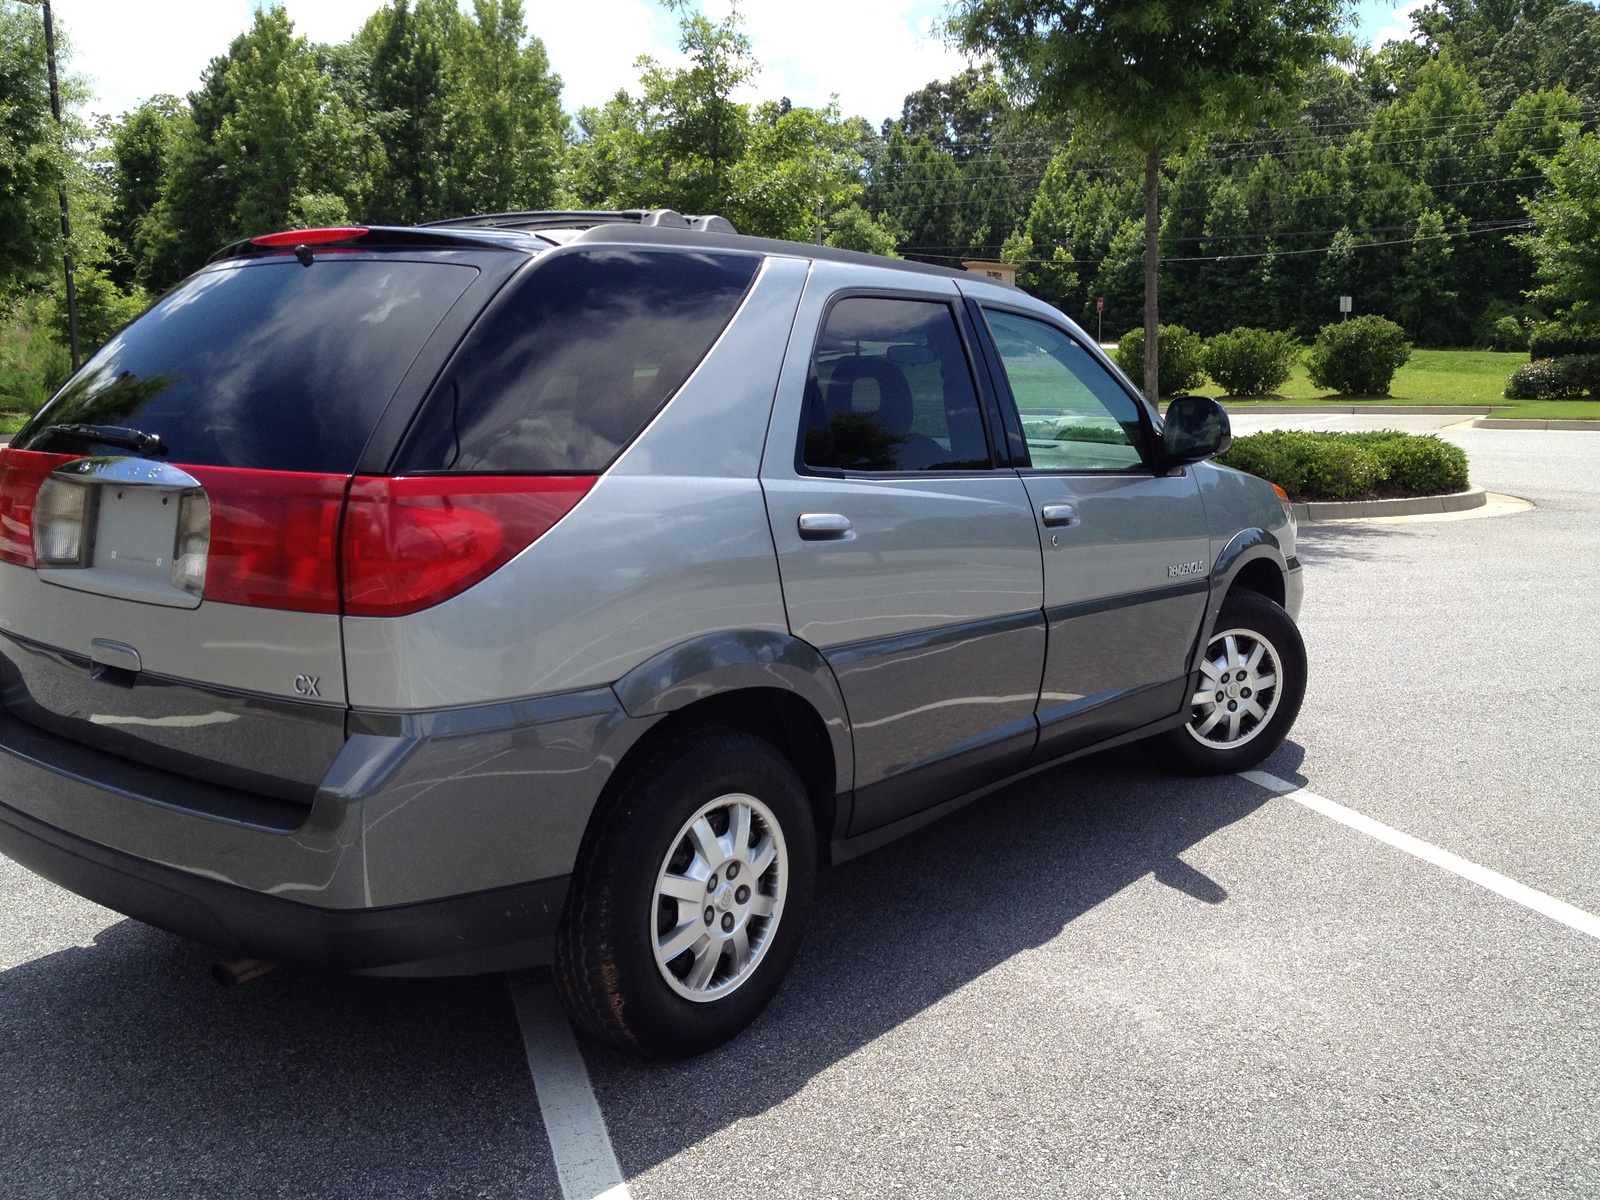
(11, 422)
(1465, 377)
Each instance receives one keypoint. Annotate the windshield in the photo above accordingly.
(268, 365)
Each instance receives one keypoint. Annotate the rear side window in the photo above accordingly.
(890, 390)
(564, 371)
(267, 365)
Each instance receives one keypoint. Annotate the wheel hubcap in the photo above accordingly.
(1238, 690)
(719, 897)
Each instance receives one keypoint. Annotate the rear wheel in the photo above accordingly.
(687, 907)
(1252, 681)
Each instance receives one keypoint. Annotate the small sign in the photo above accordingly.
(1099, 304)
(1345, 304)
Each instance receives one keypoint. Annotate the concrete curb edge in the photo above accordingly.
(1536, 423)
(1313, 511)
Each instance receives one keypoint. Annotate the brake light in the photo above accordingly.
(413, 542)
(22, 472)
(309, 237)
(274, 538)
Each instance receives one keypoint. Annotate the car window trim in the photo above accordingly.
(1147, 421)
(997, 460)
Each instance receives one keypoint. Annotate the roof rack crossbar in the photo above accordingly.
(586, 219)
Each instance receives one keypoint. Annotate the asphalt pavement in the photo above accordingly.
(1101, 981)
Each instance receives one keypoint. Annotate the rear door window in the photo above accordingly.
(566, 368)
(267, 365)
(890, 390)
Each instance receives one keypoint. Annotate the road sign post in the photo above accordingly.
(1099, 319)
(1345, 304)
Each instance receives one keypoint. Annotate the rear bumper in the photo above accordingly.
(489, 931)
(439, 843)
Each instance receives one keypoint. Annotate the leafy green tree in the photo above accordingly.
(509, 133)
(798, 166)
(1146, 76)
(140, 150)
(410, 99)
(32, 156)
(1567, 244)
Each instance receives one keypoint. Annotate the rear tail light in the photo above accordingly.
(191, 553)
(411, 543)
(62, 519)
(21, 474)
(274, 538)
(281, 539)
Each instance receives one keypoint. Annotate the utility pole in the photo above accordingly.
(66, 221)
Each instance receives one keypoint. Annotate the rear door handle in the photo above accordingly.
(1056, 515)
(825, 527)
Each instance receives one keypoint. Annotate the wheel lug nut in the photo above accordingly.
(1233, 706)
(727, 922)
(711, 884)
(711, 914)
(733, 870)
(743, 894)
(1245, 693)
(1222, 695)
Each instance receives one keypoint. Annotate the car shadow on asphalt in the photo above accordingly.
(127, 1071)
(895, 932)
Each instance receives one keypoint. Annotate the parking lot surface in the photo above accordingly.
(1100, 981)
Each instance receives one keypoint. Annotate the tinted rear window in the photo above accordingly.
(269, 365)
(570, 364)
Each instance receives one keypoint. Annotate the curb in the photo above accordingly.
(1343, 410)
(1313, 511)
(1536, 423)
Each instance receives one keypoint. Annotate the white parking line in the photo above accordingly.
(585, 1162)
(1501, 885)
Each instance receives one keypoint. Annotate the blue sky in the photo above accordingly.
(132, 49)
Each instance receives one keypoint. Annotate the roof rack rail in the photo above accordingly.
(587, 219)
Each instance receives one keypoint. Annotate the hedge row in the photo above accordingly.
(1351, 466)
(1354, 357)
(1551, 339)
(1565, 378)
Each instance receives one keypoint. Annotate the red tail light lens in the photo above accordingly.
(21, 474)
(274, 538)
(309, 237)
(412, 543)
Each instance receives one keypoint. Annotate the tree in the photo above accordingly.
(1567, 244)
(141, 147)
(32, 157)
(1147, 76)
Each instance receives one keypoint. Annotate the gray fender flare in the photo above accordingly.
(1247, 546)
(735, 661)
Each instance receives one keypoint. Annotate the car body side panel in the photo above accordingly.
(735, 661)
(672, 543)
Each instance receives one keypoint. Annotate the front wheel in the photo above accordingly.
(1252, 681)
(688, 905)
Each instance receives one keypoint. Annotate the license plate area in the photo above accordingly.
(131, 515)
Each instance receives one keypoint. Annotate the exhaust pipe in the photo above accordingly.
(239, 970)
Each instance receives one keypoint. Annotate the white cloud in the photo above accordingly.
(870, 52)
(1396, 26)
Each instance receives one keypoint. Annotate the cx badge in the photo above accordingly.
(306, 685)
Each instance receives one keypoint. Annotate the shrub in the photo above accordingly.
(1358, 357)
(1508, 334)
(32, 363)
(1179, 350)
(1348, 466)
(1551, 339)
(1563, 378)
(1250, 362)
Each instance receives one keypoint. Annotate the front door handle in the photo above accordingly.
(825, 527)
(1057, 515)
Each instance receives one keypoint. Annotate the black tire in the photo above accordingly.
(607, 972)
(1197, 751)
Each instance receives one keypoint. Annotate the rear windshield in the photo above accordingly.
(269, 365)
(574, 359)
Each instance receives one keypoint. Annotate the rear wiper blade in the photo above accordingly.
(115, 435)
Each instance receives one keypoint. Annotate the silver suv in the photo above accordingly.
(567, 588)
